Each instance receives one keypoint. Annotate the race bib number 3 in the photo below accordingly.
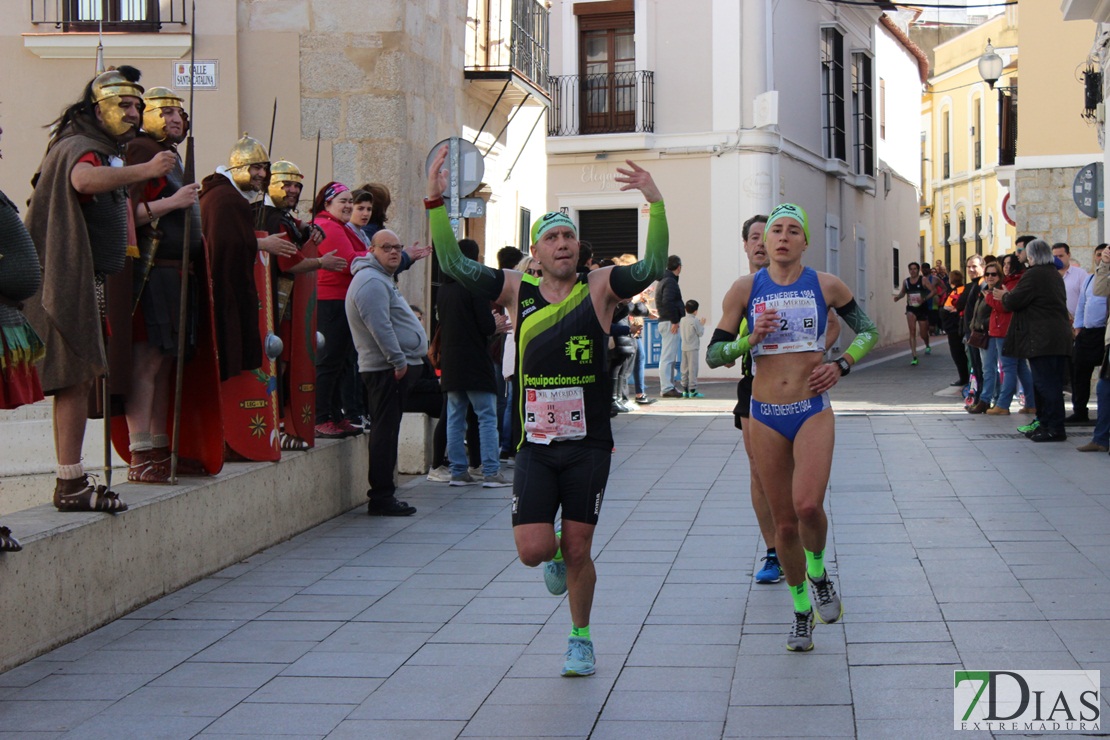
(552, 415)
(797, 330)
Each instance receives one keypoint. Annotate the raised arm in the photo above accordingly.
(626, 281)
(493, 285)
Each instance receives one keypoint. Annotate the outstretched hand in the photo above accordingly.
(438, 175)
(636, 177)
(418, 252)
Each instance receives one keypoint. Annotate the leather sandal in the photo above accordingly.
(187, 467)
(7, 542)
(148, 467)
(82, 494)
(292, 443)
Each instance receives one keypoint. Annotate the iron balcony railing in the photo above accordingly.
(618, 102)
(1007, 126)
(116, 15)
(508, 36)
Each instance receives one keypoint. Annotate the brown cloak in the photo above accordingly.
(228, 227)
(64, 311)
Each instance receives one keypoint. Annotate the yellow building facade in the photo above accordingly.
(963, 205)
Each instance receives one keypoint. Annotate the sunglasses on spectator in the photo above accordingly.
(991, 274)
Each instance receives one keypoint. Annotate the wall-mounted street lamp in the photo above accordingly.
(990, 67)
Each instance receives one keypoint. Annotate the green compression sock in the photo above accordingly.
(558, 553)
(801, 598)
(583, 632)
(815, 564)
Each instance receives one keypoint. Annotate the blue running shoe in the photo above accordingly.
(580, 657)
(771, 572)
(555, 571)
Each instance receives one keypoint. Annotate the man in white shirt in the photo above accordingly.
(1074, 275)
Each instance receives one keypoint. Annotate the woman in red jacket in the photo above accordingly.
(333, 207)
(1009, 270)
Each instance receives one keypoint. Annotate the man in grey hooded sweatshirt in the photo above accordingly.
(389, 339)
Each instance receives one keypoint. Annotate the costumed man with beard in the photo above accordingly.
(78, 219)
(275, 214)
(228, 226)
(161, 206)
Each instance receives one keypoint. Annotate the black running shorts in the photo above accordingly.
(563, 473)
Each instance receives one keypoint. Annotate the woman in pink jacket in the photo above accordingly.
(332, 208)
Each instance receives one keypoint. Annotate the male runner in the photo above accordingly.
(565, 442)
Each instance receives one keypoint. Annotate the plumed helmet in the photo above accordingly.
(247, 151)
(281, 172)
(157, 98)
(107, 89)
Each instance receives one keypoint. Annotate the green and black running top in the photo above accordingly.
(561, 348)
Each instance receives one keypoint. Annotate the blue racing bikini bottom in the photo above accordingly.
(787, 418)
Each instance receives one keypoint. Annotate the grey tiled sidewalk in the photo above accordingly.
(956, 544)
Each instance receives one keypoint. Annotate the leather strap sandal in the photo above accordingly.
(7, 542)
(82, 494)
(187, 467)
(148, 467)
(292, 443)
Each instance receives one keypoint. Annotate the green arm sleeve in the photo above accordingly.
(725, 348)
(628, 280)
(474, 276)
(866, 331)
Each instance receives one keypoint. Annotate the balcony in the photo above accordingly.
(117, 15)
(507, 49)
(615, 103)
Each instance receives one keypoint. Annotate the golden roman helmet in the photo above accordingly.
(107, 89)
(247, 151)
(281, 172)
(157, 98)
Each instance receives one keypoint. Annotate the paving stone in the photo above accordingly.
(281, 719)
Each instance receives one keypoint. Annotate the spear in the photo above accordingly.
(273, 122)
(105, 390)
(315, 178)
(183, 318)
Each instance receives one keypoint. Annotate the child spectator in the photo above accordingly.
(691, 328)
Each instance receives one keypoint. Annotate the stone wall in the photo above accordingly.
(381, 82)
(1045, 208)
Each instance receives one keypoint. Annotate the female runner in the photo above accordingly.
(786, 304)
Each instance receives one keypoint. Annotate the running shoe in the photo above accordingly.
(771, 572)
(462, 479)
(1029, 428)
(476, 473)
(695, 394)
(800, 639)
(828, 606)
(913, 361)
(442, 474)
(349, 428)
(580, 657)
(928, 349)
(330, 430)
(643, 400)
(555, 572)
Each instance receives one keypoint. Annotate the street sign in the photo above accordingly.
(1087, 189)
(206, 75)
(472, 207)
(1009, 210)
(472, 167)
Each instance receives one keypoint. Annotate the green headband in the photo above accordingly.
(789, 210)
(549, 221)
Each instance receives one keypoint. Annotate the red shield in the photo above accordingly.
(300, 408)
(249, 400)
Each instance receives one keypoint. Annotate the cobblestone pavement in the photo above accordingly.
(956, 544)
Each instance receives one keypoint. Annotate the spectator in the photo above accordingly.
(950, 322)
(691, 328)
(1041, 332)
(467, 375)
(1021, 242)
(333, 207)
(390, 340)
(1005, 274)
(1089, 327)
(1100, 440)
(507, 259)
(671, 309)
(20, 347)
(1074, 275)
(966, 306)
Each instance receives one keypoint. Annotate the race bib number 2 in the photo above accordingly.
(553, 415)
(797, 330)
